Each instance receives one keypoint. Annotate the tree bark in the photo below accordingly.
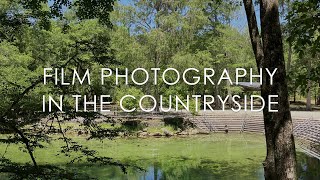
(254, 31)
(284, 147)
(269, 164)
(280, 161)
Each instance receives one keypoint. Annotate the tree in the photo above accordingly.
(280, 161)
(303, 26)
(179, 34)
(28, 43)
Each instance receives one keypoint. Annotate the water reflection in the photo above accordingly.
(153, 172)
(308, 169)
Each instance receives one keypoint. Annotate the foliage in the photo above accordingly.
(129, 103)
(302, 32)
(86, 34)
(31, 38)
(304, 25)
(179, 35)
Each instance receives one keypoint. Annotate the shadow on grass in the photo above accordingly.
(79, 170)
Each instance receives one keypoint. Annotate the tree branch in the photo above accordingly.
(254, 32)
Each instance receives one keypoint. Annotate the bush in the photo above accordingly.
(128, 103)
(192, 107)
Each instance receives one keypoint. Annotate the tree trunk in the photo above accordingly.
(156, 87)
(230, 95)
(290, 44)
(217, 104)
(280, 122)
(254, 32)
(294, 95)
(318, 98)
(308, 107)
(289, 57)
(280, 162)
(269, 164)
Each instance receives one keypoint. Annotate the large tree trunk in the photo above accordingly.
(280, 162)
(280, 122)
(269, 164)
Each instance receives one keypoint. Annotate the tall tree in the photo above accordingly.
(27, 45)
(303, 25)
(280, 161)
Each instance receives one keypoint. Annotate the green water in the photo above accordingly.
(216, 156)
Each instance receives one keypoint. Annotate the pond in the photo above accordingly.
(216, 156)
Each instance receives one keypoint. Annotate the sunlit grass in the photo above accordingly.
(215, 147)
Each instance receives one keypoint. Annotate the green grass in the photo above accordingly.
(176, 156)
(122, 148)
(215, 156)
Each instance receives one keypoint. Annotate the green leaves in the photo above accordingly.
(304, 25)
(91, 9)
(129, 103)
